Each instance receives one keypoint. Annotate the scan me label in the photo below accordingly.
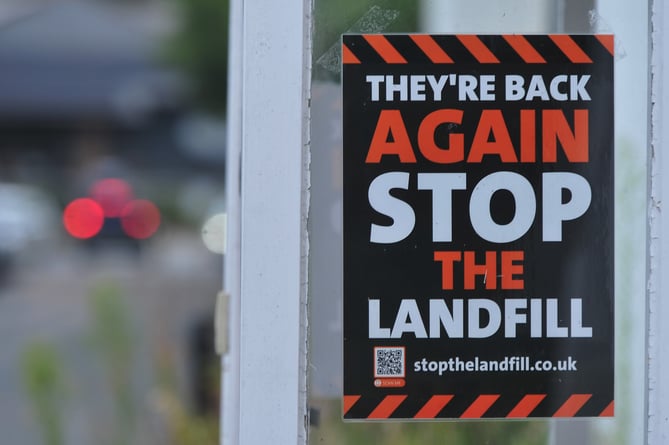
(478, 226)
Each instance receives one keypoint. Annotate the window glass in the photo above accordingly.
(630, 25)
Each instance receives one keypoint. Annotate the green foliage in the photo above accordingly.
(200, 48)
(185, 428)
(42, 377)
(113, 338)
(333, 431)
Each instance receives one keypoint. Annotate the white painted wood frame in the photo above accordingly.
(264, 368)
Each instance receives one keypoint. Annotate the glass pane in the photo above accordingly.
(111, 166)
(629, 24)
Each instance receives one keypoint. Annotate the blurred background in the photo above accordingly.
(111, 204)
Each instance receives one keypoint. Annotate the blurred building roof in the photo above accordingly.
(73, 60)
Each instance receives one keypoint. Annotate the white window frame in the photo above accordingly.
(264, 394)
(658, 253)
(264, 366)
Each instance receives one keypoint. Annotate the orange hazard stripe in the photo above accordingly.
(607, 41)
(477, 409)
(526, 405)
(349, 401)
(382, 46)
(387, 406)
(433, 406)
(431, 48)
(608, 411)
(572, 405)
(478, 49)
(570, 49)
(524, 49)
(347, 55)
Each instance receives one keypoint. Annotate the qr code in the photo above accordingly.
(389, 361)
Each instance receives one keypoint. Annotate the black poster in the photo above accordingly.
(478, 226)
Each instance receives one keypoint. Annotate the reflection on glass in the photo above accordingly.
(473, 16)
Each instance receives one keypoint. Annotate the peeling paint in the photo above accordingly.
(658, 248)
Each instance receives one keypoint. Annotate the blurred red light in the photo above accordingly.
(83, 218)
(112, 194)
(140, 218)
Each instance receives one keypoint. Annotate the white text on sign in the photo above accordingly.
(467, 87)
